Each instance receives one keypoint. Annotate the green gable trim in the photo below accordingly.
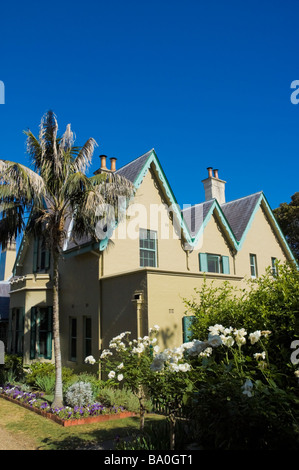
(154, 159)
(216, 207)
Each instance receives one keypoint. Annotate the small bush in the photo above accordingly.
(46, 383)
(121, 397)
(79, 394)
(39, 369)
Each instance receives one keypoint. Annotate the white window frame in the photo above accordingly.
(253, 265)
(151, 250)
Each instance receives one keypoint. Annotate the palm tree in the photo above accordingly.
(53, 191)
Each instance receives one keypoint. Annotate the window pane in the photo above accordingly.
(213, 264)
(253, 265)
(73, 339)
(87, 337)
(148, 248)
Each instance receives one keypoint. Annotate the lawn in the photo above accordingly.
(47, 435)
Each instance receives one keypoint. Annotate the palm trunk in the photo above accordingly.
(58, 397)
(172, 423)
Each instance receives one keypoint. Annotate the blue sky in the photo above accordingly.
(203, 83)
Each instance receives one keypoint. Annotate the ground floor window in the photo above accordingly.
(73, 339)
(16, 333)
(87, 337)
(41, 332)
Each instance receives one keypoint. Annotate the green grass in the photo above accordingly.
(47, 435)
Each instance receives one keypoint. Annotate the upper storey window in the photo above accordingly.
(41, 255)
(213, 263)
(148, 248)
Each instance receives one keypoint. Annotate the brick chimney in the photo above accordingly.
(214, 187)
(104, 168)
(113, 164)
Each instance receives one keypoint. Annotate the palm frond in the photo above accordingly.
(84, 157)
(20, 182)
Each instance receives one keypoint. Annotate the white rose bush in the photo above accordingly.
(228, 375)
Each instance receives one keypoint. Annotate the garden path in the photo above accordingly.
(9, 441)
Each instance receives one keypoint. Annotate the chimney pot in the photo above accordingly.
(210, 171)
(113, 162)
(216, 174)
(103, 162)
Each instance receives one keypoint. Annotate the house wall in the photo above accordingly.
(120, 308)
(261, 241)
(79, 298)
(27, 293)
(212, 241)
(146, 212)
(166, 307)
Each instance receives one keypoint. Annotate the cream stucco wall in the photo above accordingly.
(103, 285)
(148, 211)
(262, 241)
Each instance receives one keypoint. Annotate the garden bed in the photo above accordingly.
(27, 401)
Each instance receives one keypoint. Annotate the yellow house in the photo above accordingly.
(142, 268)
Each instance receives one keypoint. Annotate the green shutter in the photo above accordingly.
(203, 262)
(225, 265)
(187, 331)
(33, 333)
(35, 254)
(49, 336)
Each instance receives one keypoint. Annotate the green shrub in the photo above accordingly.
(46, 383)
(38, 369)
(41, 374)
(110, 396)
(157, 438)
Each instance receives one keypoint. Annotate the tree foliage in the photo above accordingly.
(287, 216)
(56, 189)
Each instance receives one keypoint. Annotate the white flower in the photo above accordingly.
(184, 367)
(240, 336)
(156, 349)
(216, 329)
(120, 377)
(206, 353)
(120, 366)
(111, 374)
(154, 328)
(254, 337)
(227, 340)
(261, 355)
(90, 360)
(106, 353)
(296, 373)
(265, 333)
(139, 349)
(247, 388)
(214, 340)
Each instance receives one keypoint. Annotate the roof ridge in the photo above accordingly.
(135, 159)
(239, 199)
(198, 204)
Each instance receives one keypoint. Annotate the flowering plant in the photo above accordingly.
(65, 412)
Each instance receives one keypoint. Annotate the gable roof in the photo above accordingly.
(239, 211)
(235, 216)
